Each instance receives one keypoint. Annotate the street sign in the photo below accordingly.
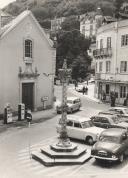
(44, 98)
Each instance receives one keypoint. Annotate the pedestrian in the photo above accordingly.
(29, 115)
(84, 90)
(76, 84)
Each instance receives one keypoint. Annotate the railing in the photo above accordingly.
(97, 76)
(104, 52)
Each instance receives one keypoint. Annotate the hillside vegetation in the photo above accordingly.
(48, 9)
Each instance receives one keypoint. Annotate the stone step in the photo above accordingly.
(57, 148)
(47, 161)
(53, 154)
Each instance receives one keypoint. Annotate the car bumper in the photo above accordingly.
(104, 158)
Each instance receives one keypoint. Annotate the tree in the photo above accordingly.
(73, 46)
(117, 5)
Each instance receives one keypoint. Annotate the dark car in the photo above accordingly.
(112, 145)
(108, 121)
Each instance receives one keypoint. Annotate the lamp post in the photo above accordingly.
(64, 74)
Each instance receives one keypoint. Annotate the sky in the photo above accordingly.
(5, 2)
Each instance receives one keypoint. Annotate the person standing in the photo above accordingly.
(84, 90)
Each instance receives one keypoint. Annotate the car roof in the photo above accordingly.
(105, 115)
(113, 132)
(72, 98)
(78, 118)
(119, 108)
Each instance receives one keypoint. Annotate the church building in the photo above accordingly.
(27, 64)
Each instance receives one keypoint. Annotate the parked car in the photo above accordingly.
(112, 145)
(79, 88)
(121, 111)
(91, 81)
(108, 121)
(81, 128)
(107, 112)
(73, 104)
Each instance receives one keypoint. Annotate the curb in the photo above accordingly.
(24, 123)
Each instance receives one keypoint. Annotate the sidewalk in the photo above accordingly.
(90, 94)
(37, 117)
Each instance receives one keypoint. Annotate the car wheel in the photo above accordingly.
(121, 158)
(78, 108)
(89, 140)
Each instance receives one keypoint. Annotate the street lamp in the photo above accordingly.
(64, 75)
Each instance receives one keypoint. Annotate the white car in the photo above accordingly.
(79, 88)
(82, 129)
(73, 103)
(121, 111)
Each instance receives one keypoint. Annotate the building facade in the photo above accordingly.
(27, 58)
(56, 24)
(111, 57)
(90, 22)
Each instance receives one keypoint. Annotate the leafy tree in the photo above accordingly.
(73, 46)
(118, 4)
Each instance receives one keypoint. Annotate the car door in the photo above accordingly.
(77, 130)
(124, 143)
(105, 123)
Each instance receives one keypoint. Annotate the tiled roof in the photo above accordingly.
(7, 28)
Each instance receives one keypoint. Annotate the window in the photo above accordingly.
(108, 63)
(123, 66)
(96, 67)
(124, 40)
(69, 123)
(122, 91)
(76, 124)
(100, 66)
(107, 89)
(101, 43)
(105, 120)
(28, 48)
(91, 29)
(83, 30)
(97, 44)
(108, 42)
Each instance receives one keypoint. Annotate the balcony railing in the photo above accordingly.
(104, 52)
(97, 76)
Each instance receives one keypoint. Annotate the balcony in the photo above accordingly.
(101, 53)
(97, 76)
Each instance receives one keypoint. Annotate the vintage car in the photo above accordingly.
(79, 88)
(112, 145)
(81, 128)
(108, 121)
(73, 104)
(121, 112)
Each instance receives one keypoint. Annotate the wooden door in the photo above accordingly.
(28, 95)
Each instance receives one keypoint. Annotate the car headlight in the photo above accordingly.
(114, 156)
(97, 136)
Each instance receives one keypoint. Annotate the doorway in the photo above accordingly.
(28, 95)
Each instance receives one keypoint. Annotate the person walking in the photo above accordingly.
(29, 115)
(84, 90)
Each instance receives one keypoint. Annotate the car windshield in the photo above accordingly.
(69, 101)
(105, 138)
(87, 124)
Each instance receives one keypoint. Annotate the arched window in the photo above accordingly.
(28, 48)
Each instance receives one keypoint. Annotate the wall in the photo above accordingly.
(11, 47)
